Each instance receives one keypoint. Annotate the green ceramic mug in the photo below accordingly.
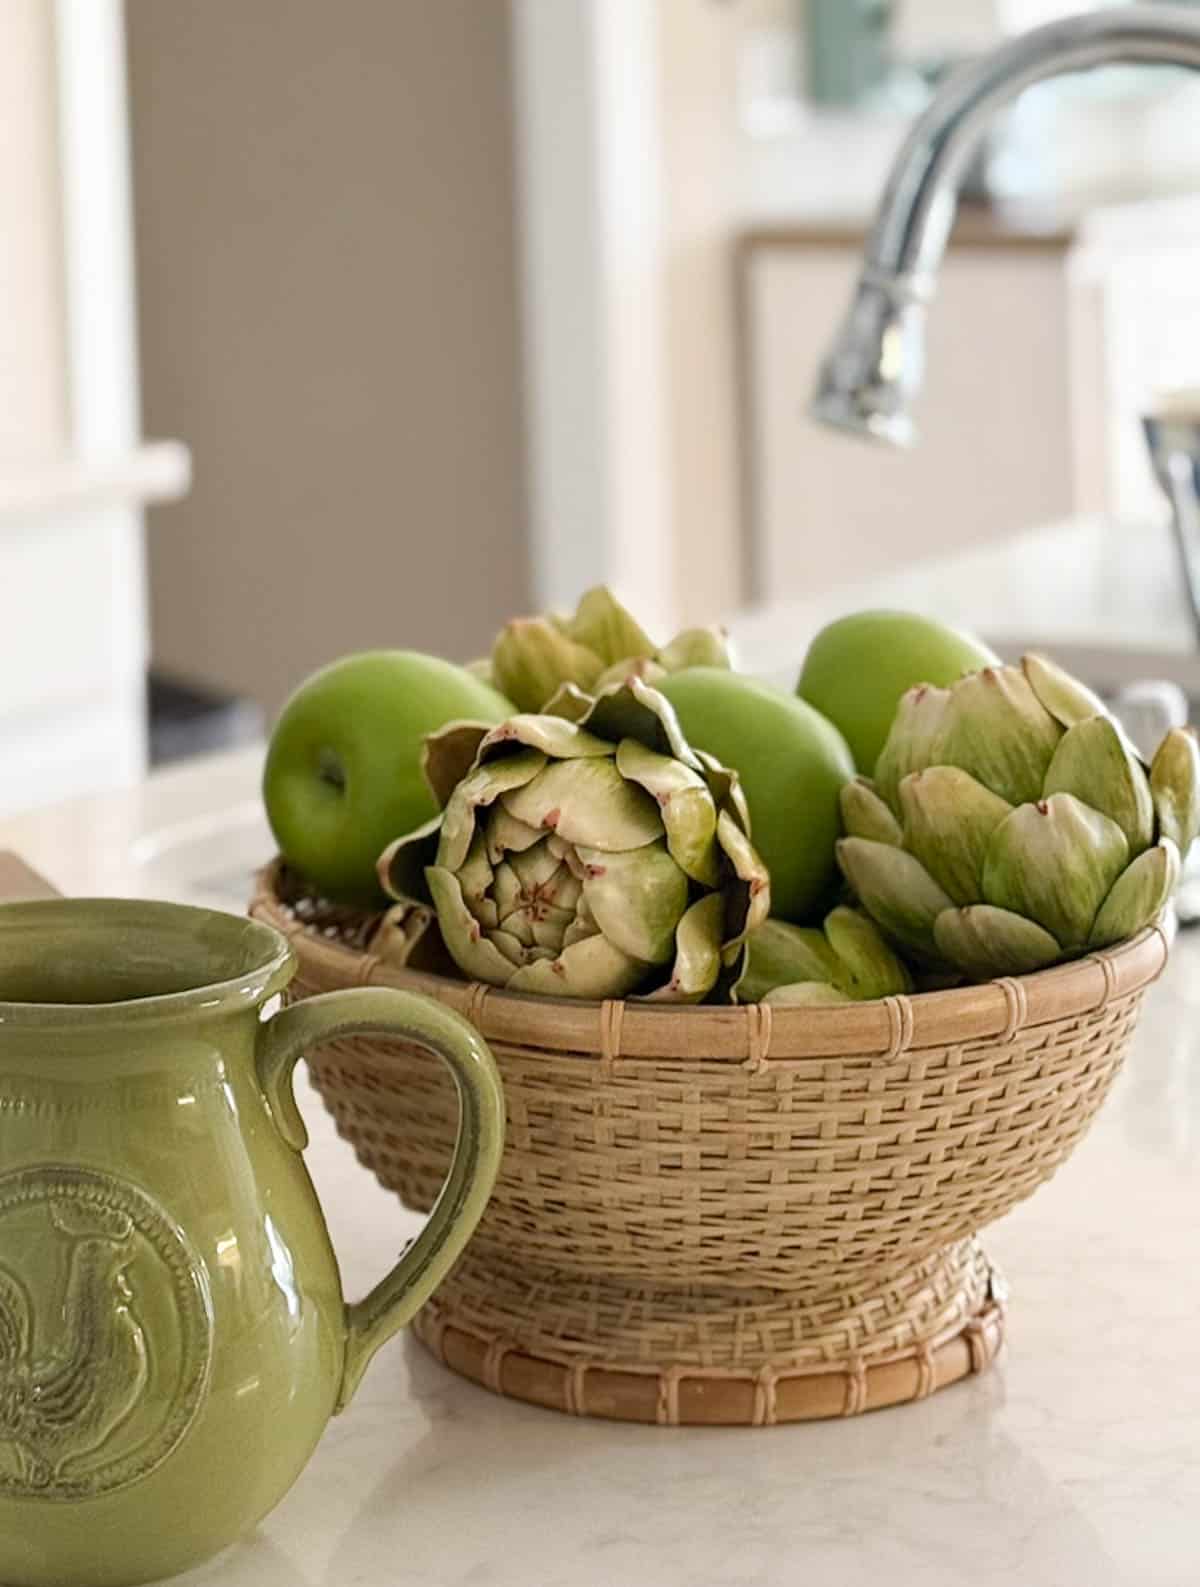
(173, 1337)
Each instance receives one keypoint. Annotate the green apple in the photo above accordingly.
(858, 667)
(792, 764)
(343, 774)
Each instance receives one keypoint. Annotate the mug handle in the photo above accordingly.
(359, 1011)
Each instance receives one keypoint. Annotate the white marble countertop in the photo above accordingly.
(1075, 1462)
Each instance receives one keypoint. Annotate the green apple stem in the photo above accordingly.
(330, 769)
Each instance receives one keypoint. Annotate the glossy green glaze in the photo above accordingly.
(173, 1337)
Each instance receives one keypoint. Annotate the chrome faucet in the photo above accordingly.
(1173, 438)
(875, 366)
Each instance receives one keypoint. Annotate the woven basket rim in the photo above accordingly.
(754, 1033)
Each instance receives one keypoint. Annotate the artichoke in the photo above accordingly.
(533, 657)
(1010, 824)
(588, 858)
(846, 961)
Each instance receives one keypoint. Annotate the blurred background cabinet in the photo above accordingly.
(995, 448)
(1046, 345)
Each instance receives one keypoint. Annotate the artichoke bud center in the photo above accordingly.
(537, 900)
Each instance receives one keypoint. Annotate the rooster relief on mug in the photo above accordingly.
(105, 1334)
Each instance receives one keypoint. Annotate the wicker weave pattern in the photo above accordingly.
(573, 1319)
(678, 1394)
(780, 1201)
(788, 1177)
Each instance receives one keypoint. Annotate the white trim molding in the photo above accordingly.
(588, 171)
(155, 471)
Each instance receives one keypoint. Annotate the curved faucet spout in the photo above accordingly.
(875, 365)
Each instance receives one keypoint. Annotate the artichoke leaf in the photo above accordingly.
(779, 954)
(644, 668)
(514, 948)
(506, 835)
(865, 815)
(1054, 862)
(608, 629)
(553, 736)
(562, 889)
(726, 788)
(696, 647)
(473, 950)
(896, 890)
(401, 866)
(1175, 787)
(687, 809)
(637, 899)
(912, 739)
(867, 967)
(697, 965)
(985, 942)
(403, 937)
(1067, 700)
(635, 710)
(536, 868)
(479, 789)
(476, 878)
(734, 799)
(949, 819)
(1138, 896)
(569, 703)
(518, 926)
(850, 954)
(582, 926)
(548, 927)
(592, 967)
(1093, 762)
(996, 728)
(507, 894)
(587, 802)
(532, 656)
(755, 904)
(448, 755)
(560, 897)
(805, 994)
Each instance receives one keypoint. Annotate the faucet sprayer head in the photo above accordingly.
(875, 365)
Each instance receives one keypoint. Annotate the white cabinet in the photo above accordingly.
(73, 478)
(72, 655)
(73, 635)
(995, 450)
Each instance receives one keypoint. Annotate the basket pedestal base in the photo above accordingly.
(701, 1356)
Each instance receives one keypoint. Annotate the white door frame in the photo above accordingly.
(588, 160)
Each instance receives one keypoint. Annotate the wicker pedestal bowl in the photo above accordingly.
(733, 1215)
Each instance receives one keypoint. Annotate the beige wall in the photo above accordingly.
(325, 234)
(698, 58)
(33, 388)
